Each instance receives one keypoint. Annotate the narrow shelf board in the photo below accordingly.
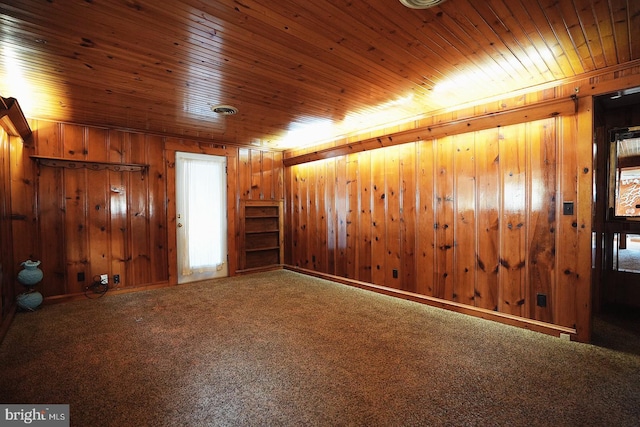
(266, 248)
(262, 231)
(88, 164)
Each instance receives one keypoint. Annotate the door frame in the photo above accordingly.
(182, 237)
(171, 147)
(609, 286)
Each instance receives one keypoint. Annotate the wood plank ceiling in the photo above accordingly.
(298, 71)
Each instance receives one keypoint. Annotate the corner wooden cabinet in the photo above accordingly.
(261, 234)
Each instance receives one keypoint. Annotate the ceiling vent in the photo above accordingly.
(226, 110)
(421, 4)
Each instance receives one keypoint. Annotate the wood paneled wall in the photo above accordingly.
(7, 284)
(260, 175)
(92, 222)
(474, 218)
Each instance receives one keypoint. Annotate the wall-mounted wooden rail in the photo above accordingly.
(59, 162)
(424, 131)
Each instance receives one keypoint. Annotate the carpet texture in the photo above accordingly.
(284, 349)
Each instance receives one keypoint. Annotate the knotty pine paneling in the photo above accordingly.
(260, 175)
(340, 229)
(364, 219)
(471, 218)
(92, 222)
(8, 285)
(512, 273)
(487, 179)
(22, 173)
(425, 237)
(99, 222)
(541, 235)
(408, 216)
(444, 236)
(352, 212)
(378, 218)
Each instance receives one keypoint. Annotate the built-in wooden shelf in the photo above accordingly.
(59, 162)
(261, 231)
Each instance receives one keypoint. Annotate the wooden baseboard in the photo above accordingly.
(81, 296)
(508, 319)
(260, 269)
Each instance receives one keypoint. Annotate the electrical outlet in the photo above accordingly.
(104, 279)
(395, 273)
(567, 208)
(81, 276)
(116, 278)
(541, 300)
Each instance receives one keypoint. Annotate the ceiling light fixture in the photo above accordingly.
(226, 110)
(421, 4)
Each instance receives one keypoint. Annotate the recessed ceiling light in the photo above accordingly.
(421, 4)
(226, 110)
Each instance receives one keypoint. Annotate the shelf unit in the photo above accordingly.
(261, 231)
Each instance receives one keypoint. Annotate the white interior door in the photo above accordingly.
(201, 208)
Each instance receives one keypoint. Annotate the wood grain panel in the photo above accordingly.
(51, 212)
(464, 224)
(233, 211)
(294, 215)
(584, 217)
(313, 236)
(365, 223)
(512, 276)
(244, 173)
(75, 209)
(278, 176)
(289, 207)
(541, 246)
(567, 262)
(444, 213)
(117, 199)
(75, 227)
(341, 227)
(425, 218)
(268, 176)
(378, 217)
(488, 218)
(74, 142)
(8, 287)
(49, 141)
(321, 252)
(306, 205)
(330, 215)
(97, 206)
(255, 159)
(392, 238)
(408, 212)
(156, 200)
(138, 220)
(352, 217)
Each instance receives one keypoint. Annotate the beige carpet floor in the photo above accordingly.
(283, 349)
